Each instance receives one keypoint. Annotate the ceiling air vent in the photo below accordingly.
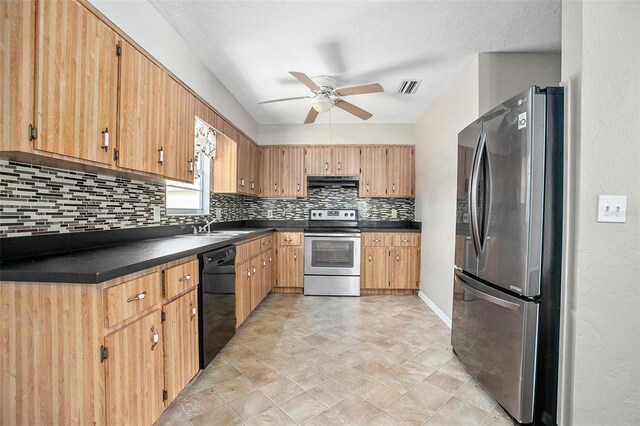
(408, 87)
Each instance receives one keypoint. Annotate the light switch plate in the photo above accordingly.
(394, 213)
(269, 214)
(612, 208)
(156, 214)
(218, 213)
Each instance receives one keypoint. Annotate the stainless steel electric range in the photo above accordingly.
(332, 253)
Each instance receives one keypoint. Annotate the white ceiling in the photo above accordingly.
(252, 45)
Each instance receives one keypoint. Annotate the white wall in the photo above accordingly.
(436, 173)
(140, 21)
(605, 266)
(359, 133)
(503, 75)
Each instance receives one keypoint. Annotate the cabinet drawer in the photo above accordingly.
(289, 239)
(266, 243)
(247, 250)
(405, 239)
(180, 278)
(128, 299)
(375, 239)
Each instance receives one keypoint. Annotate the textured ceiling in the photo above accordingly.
(252, 45)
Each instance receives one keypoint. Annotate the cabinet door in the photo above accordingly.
(290, 266)
(181, 358)
(267, 277)
(375, 262)
(244, 164)
(254, 175)
(293, 180)
(180, 113)
(317, 161)
(373, 179)
(142, 97)
(134, 372)
(76, 82)
(346, 160)
(243, 292)
(270, 171)
(400, 171)
(256, 282)
(17, 56)
(404, 267)
(225, 166)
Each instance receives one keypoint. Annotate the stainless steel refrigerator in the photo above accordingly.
(506, 298)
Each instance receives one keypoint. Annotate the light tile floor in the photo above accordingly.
(375, 360)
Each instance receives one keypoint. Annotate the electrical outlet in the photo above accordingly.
(612, 208)
(394, 213)
(218, 213)
(269, 214)
(156, 214)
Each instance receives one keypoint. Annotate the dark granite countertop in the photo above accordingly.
(96, 257)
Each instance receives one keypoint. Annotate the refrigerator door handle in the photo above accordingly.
(484, 296)
(484, 238)
(473, 194)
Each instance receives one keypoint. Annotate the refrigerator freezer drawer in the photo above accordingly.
(494, 335)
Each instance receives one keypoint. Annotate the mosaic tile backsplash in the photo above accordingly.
(36, 200)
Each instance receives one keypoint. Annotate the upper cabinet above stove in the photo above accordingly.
(388, 171)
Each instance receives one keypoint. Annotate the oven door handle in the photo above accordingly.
(342, 234)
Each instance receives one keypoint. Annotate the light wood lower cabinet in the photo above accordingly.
(390, 261)
(289, 260)
(181, 357)
(254, 276)
(134, 372)
(110, 353)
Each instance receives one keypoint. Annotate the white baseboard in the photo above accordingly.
(435, 308)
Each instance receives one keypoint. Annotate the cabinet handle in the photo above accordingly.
(326, 165)
(190, 166)
(393, 188)
(339, 166)
(194, 311)
(137, 297)
(288, 239)
(161, 156)
(376, 240)
(405, 241)
(185, 278)
(248, 273)
(295, 257)
(298, 187)
(242, 182)
(253, 185)
(369, 258)
(254, 270)
(155, 337)
(367, 187)
(269, 259)
(105, 139)
(264, 263)
(398, 258)
(275, 187)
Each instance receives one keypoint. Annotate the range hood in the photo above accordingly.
(332, 181)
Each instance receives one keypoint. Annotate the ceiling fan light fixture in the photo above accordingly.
(322, 103)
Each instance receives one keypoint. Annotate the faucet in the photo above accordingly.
(204, 228)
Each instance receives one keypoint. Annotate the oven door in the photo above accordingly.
(332, 254)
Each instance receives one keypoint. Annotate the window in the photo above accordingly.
(193, 198)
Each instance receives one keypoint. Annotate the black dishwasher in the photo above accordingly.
(216, 302)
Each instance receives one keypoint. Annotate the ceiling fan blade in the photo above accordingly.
(311, 117)
(352, 109)
(302, 77)
(283, 99)
(360, 90)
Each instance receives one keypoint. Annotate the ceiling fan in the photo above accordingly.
(326, 96)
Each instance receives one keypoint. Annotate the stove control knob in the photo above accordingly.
(351, 214)
(319, 214)
(346, 214)
(314, 214)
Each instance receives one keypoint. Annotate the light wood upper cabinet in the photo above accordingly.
(373, 179)
(179, 128)
(292, 178)
(181, 357)
(142, 91)
(76, 82)
(237, 164)
(225, 166)
(346, 160)
(270, 162)
(400, 171)
(318, 160)
(17, 56)
(248, 160)
(134, 372)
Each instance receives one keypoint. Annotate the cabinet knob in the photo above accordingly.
(161, 156)
(194, 311)
(185, 278)
(155, 337)
(105, 139)
(137, 297)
